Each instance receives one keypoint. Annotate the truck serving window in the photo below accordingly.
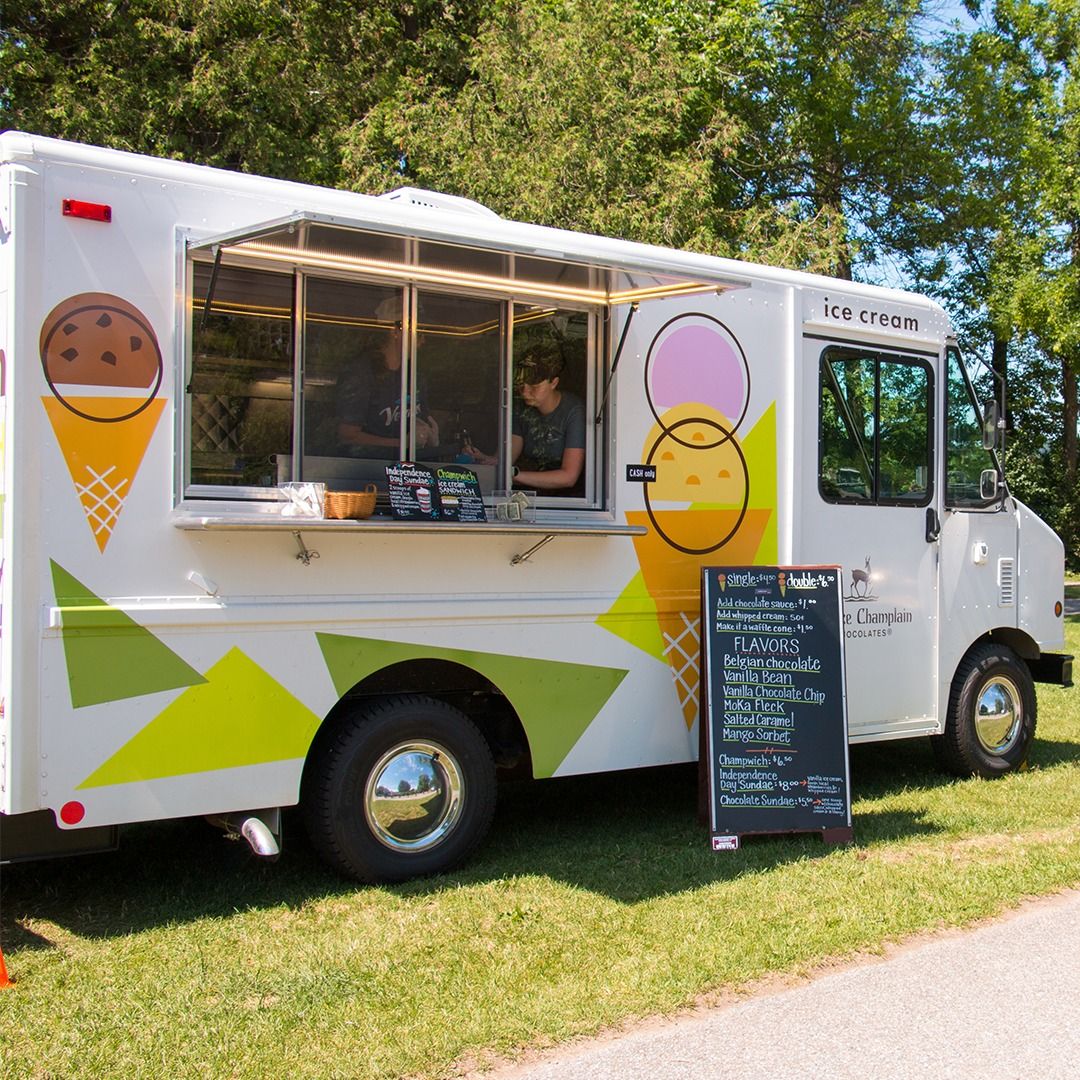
(876, 425)
(240, 403)
(965, 456)
(304, 376)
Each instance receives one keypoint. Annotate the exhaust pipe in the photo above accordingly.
(259, 835)
(255, 831)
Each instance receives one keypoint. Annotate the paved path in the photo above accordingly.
(1001, 1002)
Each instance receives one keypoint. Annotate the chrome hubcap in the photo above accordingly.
(999, 715)
(412, 799)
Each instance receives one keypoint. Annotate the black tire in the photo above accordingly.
(992, 713)
(370, 811)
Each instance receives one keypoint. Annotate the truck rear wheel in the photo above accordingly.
(992, 712)
(403, 788)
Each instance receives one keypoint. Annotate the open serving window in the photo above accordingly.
(323, 349)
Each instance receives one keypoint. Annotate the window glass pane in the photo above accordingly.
(847, 428)
(554, 272)
(550, 426)
(904, 432)
(463, 260)
(965, 456)
(352, 382)
(459, 350)
(241, 377)
(348, 244)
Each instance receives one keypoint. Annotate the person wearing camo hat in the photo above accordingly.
(547, 443)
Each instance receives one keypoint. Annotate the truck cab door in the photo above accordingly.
(868, 502)
(979, 531)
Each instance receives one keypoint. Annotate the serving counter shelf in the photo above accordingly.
(545, 531)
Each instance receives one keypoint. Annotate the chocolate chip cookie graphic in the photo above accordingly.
(100, 340)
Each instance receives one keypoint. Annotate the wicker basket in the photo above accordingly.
(350, 504)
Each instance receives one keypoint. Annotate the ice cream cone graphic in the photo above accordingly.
(103, 461)
(698, 512)
(103, 365)
(673, 580)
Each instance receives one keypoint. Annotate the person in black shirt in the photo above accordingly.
(369, 406)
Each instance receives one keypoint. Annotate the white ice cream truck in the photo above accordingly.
(187, 355)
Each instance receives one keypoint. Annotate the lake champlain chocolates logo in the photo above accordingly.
(861, 620)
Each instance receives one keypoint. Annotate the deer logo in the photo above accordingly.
(860, 582)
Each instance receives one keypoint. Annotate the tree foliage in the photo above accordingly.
(1002, 245)
(262, 86)
(581, 114)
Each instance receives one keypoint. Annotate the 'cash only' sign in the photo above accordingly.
(775, 707)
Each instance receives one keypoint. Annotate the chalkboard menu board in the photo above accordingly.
(775, 709)
(414, 493)
(459, 494)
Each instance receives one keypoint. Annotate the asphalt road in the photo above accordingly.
(998, 1002)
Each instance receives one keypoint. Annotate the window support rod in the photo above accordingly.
(210, 288)
(207, 303)
(615, 363)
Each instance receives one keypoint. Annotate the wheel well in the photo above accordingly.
(460, 686)
(1022, 644)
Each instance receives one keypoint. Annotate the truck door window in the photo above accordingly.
(965, 456)
(241, 389)
(875, 435)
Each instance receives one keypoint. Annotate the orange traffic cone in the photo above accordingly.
(4, 980)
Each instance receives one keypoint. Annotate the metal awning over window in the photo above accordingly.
(510, 264)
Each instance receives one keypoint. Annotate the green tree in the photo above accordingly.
(261, 86)
(844, 142)
(1004, 247)
(573, 114)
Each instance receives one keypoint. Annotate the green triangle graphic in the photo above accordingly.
(240, 716)
(633, 618)
(556, 701)
(109, 655)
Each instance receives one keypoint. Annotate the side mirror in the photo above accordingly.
(992, 426)
(989, 484)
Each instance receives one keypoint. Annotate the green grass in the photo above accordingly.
(594, 901)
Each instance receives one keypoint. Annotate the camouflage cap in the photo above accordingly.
(539, 362)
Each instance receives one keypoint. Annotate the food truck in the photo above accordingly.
(191, 360)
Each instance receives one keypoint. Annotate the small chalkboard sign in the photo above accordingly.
(414, 493)
(459, 494)
(775, 705)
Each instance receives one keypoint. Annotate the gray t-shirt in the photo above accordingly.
(546, 437)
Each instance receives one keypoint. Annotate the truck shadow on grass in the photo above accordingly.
(629, 836)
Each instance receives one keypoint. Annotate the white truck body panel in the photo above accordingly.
(165, 654)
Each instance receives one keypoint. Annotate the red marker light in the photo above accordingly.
(72, 813)
(92, 211)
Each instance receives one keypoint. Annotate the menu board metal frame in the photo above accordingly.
(774, 697)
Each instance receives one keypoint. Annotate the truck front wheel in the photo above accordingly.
(992, 711)
(403, 788)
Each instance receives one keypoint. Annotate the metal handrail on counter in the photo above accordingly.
(267, 522)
